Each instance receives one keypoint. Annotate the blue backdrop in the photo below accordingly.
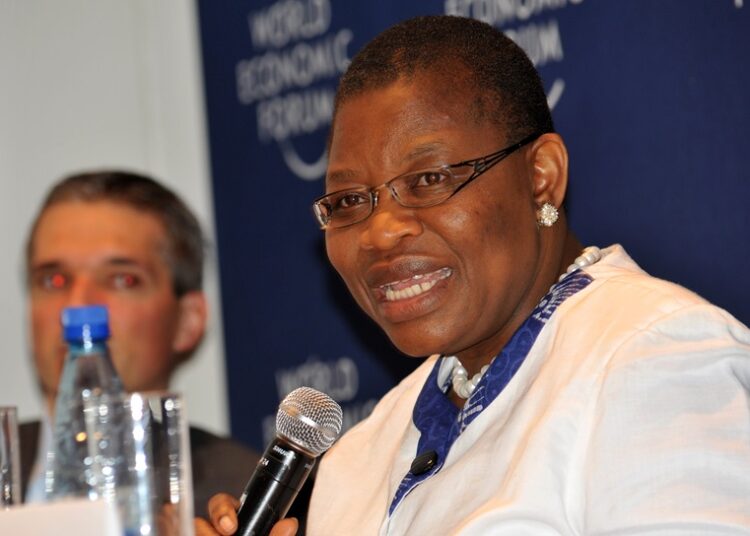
(650, 97)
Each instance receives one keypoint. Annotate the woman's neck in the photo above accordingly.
(555, 264)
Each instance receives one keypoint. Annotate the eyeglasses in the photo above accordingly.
(416, 189)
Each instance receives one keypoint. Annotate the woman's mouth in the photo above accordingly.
(413, 286)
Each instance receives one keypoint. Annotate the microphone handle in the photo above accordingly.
(278, 477)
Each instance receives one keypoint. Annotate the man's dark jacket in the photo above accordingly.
(219, 464)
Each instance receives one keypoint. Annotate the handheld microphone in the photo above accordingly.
(307, 424)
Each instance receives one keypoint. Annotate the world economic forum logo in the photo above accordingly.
(297, 59)
(532, 25)
(291, 79)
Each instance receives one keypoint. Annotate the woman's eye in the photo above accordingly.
(429, 178)
(350, 200)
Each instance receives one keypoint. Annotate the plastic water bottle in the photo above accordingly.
(86, 459)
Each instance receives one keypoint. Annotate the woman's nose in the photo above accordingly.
(388, 224)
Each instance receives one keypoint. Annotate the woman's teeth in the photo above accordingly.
(421, 284)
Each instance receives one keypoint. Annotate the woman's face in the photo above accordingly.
(470, 264)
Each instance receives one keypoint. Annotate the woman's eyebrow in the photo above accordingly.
(349, 175)
(340, 176)
(425, 148)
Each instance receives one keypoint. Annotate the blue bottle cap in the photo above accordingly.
(85, 323)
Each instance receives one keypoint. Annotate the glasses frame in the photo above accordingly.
(479, 166)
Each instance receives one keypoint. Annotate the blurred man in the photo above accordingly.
(124, 241)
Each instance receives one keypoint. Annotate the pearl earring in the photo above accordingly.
(547, 215)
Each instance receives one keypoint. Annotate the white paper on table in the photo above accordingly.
(70, 517)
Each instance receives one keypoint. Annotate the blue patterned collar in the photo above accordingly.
(440, 422)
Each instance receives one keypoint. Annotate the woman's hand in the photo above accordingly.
(222, 509)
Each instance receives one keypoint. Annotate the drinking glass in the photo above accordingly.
(171, 462)
(10, 465)
(148, 476)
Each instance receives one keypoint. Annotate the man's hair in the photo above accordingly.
(185, 241)
(466, 53)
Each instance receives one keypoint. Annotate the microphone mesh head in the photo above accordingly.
(309, 419)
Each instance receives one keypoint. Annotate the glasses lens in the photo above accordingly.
(426, 188)
(343, 208)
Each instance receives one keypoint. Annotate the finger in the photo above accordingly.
(222, 509)
(168, 520)
(285, 527)
(203, 528)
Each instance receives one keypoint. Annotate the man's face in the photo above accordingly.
(104, 253)
(477, 254)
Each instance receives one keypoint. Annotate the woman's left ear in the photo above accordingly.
(550, 169)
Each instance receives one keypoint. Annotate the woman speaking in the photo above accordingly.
(567, 392)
